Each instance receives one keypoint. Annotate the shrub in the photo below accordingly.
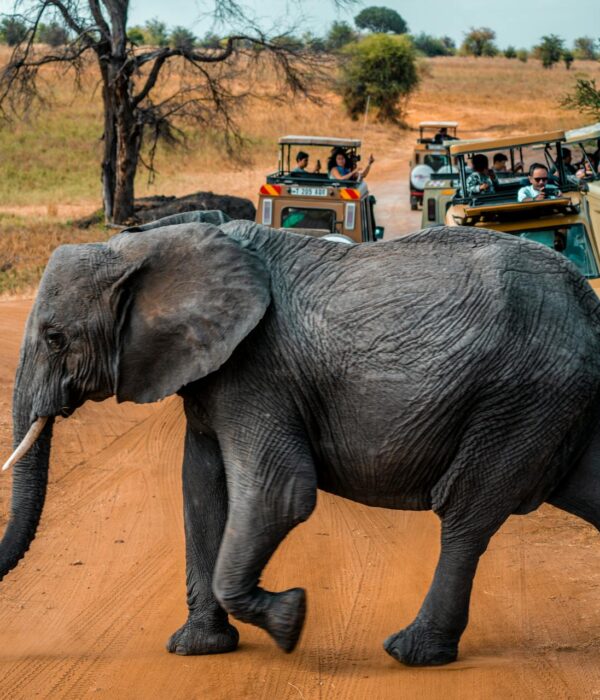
(479, 42)
(181, 38)
(53, 34)
(12, 31)
(339, 34)
(383, 68)
(380, 20)
(156, 33)
(568, 58)
(136, 36)
(585, 98)
(549, 50)
(510, 52)
(431, 46)
(585, 48)
(523, 55)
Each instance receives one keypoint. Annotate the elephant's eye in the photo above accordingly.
(55, 340)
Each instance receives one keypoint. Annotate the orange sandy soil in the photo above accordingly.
(87, 613)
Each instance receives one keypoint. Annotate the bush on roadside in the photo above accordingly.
(381, 69)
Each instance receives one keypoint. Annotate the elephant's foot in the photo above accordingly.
(191, 639)
(419, 645)
(284, 617)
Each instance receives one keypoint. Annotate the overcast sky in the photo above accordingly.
(517, 22)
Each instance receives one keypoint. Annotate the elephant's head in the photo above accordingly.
(139, 318)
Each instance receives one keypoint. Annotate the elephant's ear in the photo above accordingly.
(189, 296)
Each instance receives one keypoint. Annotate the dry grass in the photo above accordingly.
(49, 171)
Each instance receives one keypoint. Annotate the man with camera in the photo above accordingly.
(538, 188)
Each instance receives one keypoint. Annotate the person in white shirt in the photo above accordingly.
(538, 188)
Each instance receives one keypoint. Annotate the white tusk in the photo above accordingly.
(27, 443)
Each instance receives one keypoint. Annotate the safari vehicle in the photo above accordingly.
(585, 144)
(430, 156)
(312, 202)
(563, 223)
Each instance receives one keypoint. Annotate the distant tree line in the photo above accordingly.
(380, 61)
(478, 41)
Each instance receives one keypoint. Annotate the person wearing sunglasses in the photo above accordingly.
(538, 187)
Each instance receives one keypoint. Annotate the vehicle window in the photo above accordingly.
(297, 217)
(436, 161)
(572, 241)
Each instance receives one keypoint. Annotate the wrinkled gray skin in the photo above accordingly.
(456, 370)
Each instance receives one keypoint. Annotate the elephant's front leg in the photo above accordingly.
(269, 495)
(207, 630)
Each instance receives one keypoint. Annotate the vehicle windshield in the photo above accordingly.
(572, 241)
(298, 217)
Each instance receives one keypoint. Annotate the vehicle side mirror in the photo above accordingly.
(379, 231)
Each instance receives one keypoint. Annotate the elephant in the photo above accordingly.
(454, 370)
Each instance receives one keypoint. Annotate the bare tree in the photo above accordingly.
(204, 89)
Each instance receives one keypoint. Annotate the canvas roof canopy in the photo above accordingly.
(319, 141)
(585, 133)
(483, 145)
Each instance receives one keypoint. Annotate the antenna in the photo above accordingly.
(366, 117)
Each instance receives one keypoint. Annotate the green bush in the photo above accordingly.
(156, 33)
(53, 34)
(181, 38)
(136, 36)
(549, 50)
(339, 34)
(585, 98)
(12, 31)
(585, 48)
(523, 55)
(510, 52)
(383, 68)
(432, 46)
(479, 42)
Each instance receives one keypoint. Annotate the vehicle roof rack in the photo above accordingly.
(434, 124)
(585, 133)
(319, 141)
(482, 145)
(474, 214)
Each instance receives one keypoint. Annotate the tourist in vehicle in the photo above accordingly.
(302, 164)
(479, 181)
(340, 167)
(443, 135)
(538, 188)
(499, 163)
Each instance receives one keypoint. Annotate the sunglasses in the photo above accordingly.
(540, 179)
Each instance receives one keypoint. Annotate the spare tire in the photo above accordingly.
(339, 238)
(419, 176)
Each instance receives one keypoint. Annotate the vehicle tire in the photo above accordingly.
(339, 238)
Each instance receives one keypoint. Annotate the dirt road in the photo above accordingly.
(88, 611)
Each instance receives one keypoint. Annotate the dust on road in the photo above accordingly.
(88, 611)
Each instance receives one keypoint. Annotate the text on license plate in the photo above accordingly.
(309, 191)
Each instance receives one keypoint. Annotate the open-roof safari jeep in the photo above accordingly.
(430, 156)
(313, 203)
(563, 223)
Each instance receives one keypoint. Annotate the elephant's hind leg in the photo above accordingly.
(207, 630)
(484, 485)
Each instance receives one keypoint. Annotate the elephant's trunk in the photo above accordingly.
(30, 477)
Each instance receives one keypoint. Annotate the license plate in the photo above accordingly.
(309, 191)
